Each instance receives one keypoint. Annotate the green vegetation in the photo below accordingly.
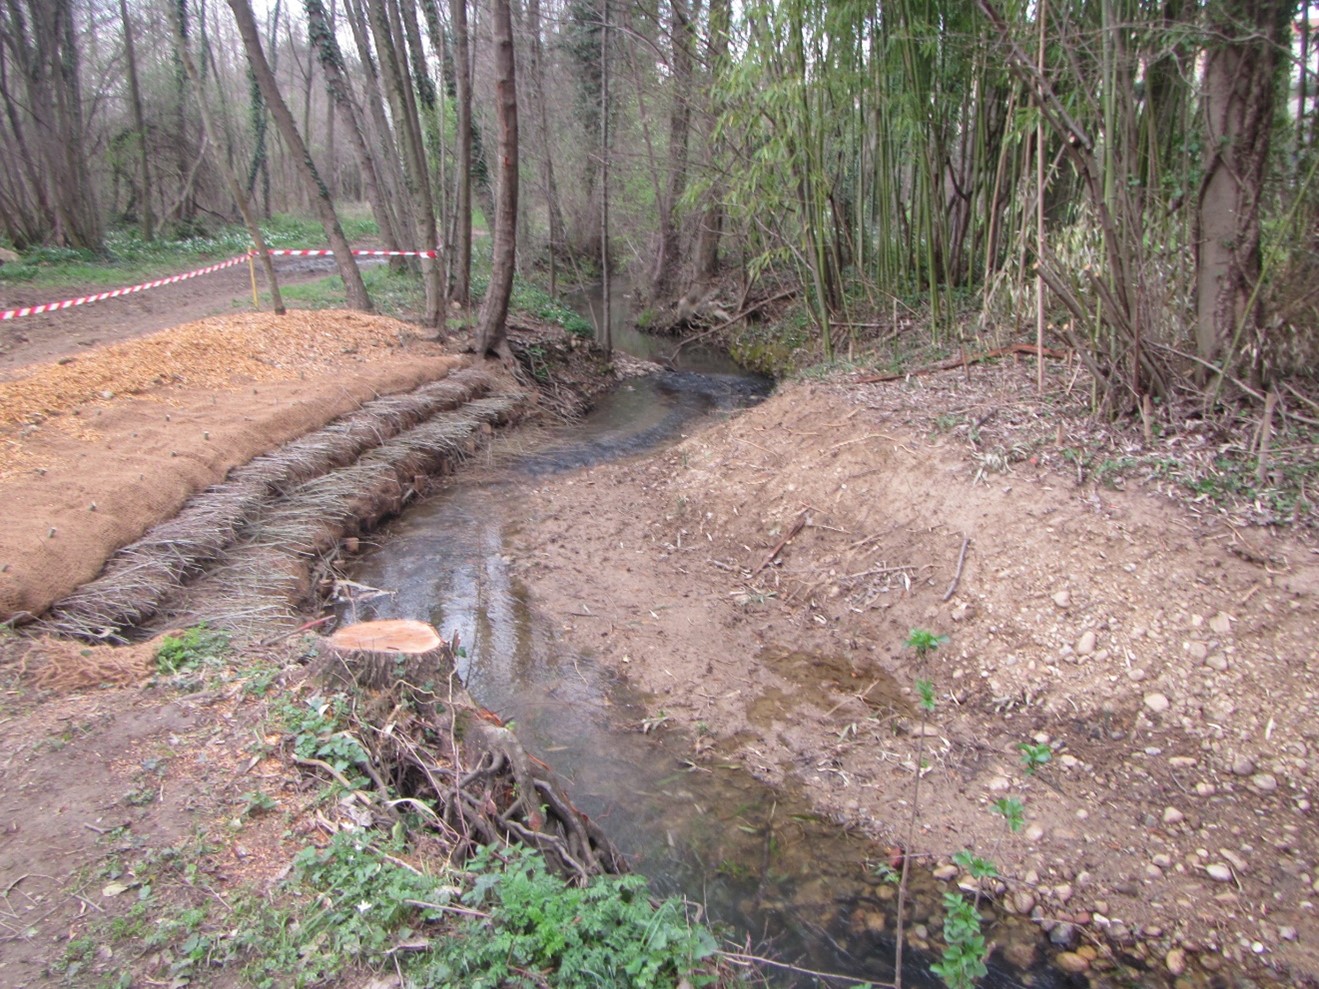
(357, 904)
(1034, 756)
(190, 650)
(924, 641)
(128, 258)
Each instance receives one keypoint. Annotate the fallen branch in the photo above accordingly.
(956, 362)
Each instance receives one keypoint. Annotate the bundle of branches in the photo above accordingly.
(434, 750)
(136, 579)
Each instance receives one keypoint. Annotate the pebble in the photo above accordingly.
(1219, 872)
(1171, 815)
(1071, 962)
(1205, 789)
(1157, 702)
(1287, 933)
(1063, 934)
(1243, 765)
(1162, 860)
(1175, 961)
(1063, 893)
(1197, 650)
(999, 783)
(1221, 623)
(1264, 782)
(1216, 661)
(1062, 599)
(944, 873)
(1034, 832)
(1023, 901)
(1085, 645)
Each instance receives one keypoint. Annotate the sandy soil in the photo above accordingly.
(1161, 655)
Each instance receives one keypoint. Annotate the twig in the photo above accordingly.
(448, 908)
(797, 527)
(957, 577)
(305, 627)
(742, 958)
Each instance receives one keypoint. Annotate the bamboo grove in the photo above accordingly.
(1130, 179)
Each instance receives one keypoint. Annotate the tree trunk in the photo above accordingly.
(388, 170)
(336, 81)
(47, 117)
(1240, 86)
(462, 72)
(667, 259)
(354, 288)
(241, 199)
(553, 209)
(494, 308)
(139, 122)
(705, 255)
(391, 47)
(367, 655)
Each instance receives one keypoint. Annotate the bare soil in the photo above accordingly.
(1163, 655)
(762, 580)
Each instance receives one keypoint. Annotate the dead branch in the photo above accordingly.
(956, 362)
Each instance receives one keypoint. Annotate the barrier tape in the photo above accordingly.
(116, 293)
(172, 279)
(360, 254)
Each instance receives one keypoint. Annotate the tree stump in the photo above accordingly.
(378, 655)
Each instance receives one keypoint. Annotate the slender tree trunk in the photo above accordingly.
(388, 170)
(386, 22)
(241, 199)
(705, 256)
(462, 273)
(606, 276)
(491, 338)
(667, 259)
(354, 287)
(139, 122)
(336, 81)
(553, 209)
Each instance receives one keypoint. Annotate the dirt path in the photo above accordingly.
(50, 336)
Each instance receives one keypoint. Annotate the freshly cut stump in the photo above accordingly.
(375, 655)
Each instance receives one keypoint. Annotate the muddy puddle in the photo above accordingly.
(757, 860)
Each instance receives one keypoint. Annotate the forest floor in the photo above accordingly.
(761, 581)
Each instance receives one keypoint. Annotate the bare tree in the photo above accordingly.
(491, 333)
(45, 118)
(354, 287)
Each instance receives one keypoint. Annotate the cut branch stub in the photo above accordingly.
(376, 655)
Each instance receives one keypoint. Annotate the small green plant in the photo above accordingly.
(926, 691)
(255, 802)
(924, 641)
(1033, 756)
(1012, 811)
(975, 866)
(963, 959)
(190, 649)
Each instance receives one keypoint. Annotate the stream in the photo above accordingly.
(756, 860)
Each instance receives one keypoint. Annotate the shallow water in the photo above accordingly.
(756, 859)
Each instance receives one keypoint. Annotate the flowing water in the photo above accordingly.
(756, 859)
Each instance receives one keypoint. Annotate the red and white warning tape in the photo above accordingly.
(116, 293)
(360, 254)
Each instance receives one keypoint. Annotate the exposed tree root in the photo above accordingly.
(433, 748)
